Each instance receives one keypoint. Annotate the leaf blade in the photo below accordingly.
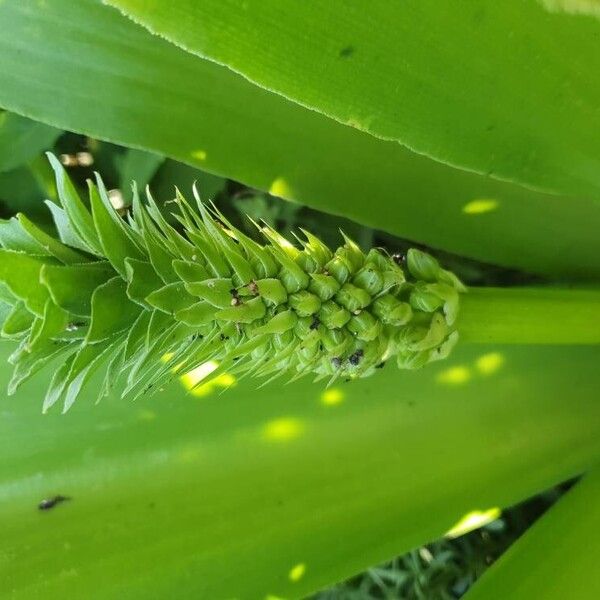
(303, 155)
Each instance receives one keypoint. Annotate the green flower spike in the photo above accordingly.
(139, 298)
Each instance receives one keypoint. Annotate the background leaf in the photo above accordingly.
(123, 84)
(22, 139)
(557, 558)
(489, 86)
(222, 496)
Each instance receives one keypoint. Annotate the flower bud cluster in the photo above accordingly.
(123, 294)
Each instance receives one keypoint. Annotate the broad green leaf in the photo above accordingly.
(173, 174)
(22, 139)
(557, 558)
(20, 190)
(222, 496)
(194, 110)
(495, 87)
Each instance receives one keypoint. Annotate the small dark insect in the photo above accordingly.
(336, 361)
(399, 258)
(380, 365)
(253, 287)
(354, 359)
(223, 337)
(315, 323)
(48, 503)
(346, 52)
(74, 326)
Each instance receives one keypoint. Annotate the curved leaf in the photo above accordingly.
(22, 139)
(557, 558)
(510, 89)
(125, 85)
(222, 496)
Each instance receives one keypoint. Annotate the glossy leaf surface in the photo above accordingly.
(111, 79)
(22, 139)
(536, 566)
(505, 88)
(168, 494)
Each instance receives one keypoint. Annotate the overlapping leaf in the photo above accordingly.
(496, 87)
(126, 85)
(22, 139)
(542, 564)
(171, 493)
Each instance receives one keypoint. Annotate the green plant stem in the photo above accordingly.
(530, 316)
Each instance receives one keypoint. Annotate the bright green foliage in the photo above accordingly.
(486, 85)
(22, 139)
(557, 558)
(138, 296)
(128, 86)
(219, 497)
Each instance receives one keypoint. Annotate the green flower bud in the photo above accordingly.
(407, 359)
(370, 279)
(333, 315)
(365, 326)
(307, 263)
(324, 286)
(339, 268)
(304, 303)
(305, 331)
(352, 298)
(392, 311)
(422, 266)
(336, 341)
(423, 297)
(318, 251)
(272, 291)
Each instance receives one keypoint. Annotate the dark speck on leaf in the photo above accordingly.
(346, 52)
(48, 503)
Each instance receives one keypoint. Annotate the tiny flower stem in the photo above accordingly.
(530, 316)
